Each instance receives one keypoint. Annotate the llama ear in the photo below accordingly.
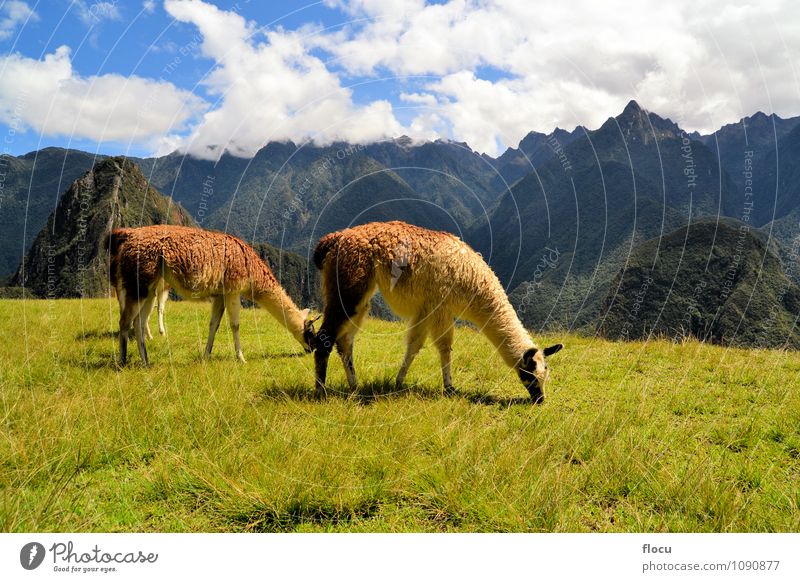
(553, 349)
(527, 357)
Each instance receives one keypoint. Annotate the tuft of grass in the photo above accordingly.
(633, 436)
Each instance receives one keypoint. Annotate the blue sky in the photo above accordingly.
(150, 76)
(148, 43)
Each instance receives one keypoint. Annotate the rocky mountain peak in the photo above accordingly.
(65, 259)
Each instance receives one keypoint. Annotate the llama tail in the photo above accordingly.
(324, 246)
(112, 243)
(114, 240)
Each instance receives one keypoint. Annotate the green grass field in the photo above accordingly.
(633, 436)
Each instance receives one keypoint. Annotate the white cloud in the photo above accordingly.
(149, 6)
(269, 87)
(49, 97)
(96, 12)
(481, 71)
(568, 63)
(14, 13)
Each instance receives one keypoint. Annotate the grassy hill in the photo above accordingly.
(711, 280)
(634, 436)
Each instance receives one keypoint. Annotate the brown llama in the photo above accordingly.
(197, 264)
(162, 290)
(427, 277)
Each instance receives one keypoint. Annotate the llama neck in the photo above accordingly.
(269, 294)
(498, 321)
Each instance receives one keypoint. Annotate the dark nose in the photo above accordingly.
(536, 393)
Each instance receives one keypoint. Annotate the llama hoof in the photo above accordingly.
(241, 359)
(450, 391)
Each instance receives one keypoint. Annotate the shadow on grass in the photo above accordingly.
(281, 356)
(264, 518)
(110, 360)
(96, 334)
(380, 389)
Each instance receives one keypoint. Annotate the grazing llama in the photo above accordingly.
(162, 290)
(197, 264)
(428, 277)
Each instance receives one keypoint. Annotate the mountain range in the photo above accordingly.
(558, 217)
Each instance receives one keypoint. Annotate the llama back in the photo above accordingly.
(383, 243)
(411, 262)
(198, 263)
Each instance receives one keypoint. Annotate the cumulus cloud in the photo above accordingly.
(269, 87)
(14, 13)
(481, 71)
(49, 97)
(96, 12)
(559, 63)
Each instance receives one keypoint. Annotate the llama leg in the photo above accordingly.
(144, 315)
(129, 314)
(326, 338)
(162, 301)
(233, 304)
(120, 290)
(344, 344)
(443, 338)
(121, 299)
(346, 305)
(415, 339)
(126, 316)
(140, 325)
(345, 347)
(217, 309)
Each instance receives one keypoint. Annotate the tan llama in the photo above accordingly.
(427, 277)
(198, 264)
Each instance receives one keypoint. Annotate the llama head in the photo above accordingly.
(533, 372)
(309, 336)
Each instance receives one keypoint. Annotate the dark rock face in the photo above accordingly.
(66, 258)
(718, 282)
(30, 187)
